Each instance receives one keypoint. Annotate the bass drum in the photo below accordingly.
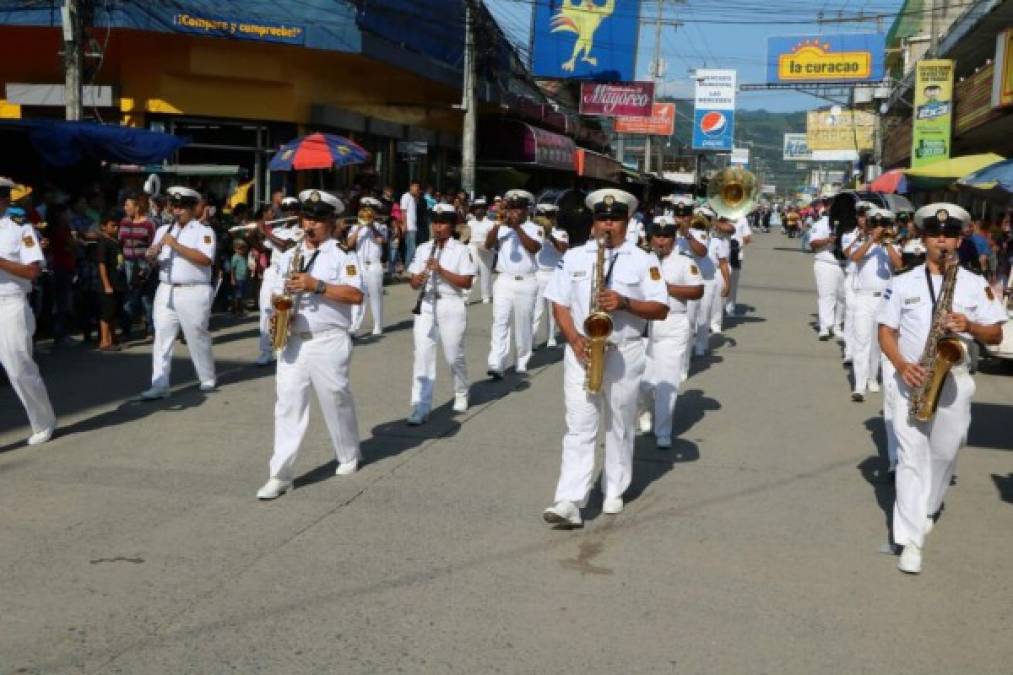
(574, 216)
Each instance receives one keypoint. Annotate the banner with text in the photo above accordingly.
(261, 31)
(660, 123)
(850, 130)
(714, 113)
(796, 148)
(851, 57)
(617, 99)
(933, 112)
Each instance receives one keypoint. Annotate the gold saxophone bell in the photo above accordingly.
(732, 192)
(283, 305)
(597, 326)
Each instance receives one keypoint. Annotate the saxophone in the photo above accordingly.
(597, 326)
(284, 305)
(942, 351)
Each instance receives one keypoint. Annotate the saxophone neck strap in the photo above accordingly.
(306, 267)
(612, 265)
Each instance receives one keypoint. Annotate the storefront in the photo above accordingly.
(512, 153)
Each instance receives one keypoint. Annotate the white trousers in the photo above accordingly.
(865, 339)
(849, 315)
(616, 405)
(372, 275)
(705, 310)
(890, 393)
(733, 294)
(829, 294)
(513, 298)
(321, 363)
(692, 312)
(17, 325)
(447, 326)
(665, 361)
(483, 260)
(189, 308)
(266, 310)
(543, 306)
(927, 454)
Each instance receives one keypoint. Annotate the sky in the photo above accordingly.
(724, 34)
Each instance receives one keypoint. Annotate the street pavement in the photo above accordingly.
(132, 543)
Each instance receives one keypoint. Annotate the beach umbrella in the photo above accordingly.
(318, 151)
(995, 180)
(891, 182)
(940, 175)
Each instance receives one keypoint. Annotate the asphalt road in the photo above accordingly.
(132, 543)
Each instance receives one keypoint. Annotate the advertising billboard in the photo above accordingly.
(660, 123)
(796, 148)
(850, 130)
(714, 113)
(933, 112)
(740, 156)
(617, 99)
(586, 39)
(1002, 78)
(850, 57)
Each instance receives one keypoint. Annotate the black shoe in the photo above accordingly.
(857, 398)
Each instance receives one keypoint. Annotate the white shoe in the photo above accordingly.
(521, 371)
(460, 403)
(847, 360)
(564, 514)
(683, 376)
(552, 343)
(612, 505)
(824, 335)
(41, 437)
(839, 331)
(929, 525)
(417, 417)
(486, 301)
(207, 387)
(154, 394)
(645, 422)
(910, 560)
(264, 360)
(874, 386)
(857, 396)
(347, 468)
(664, 443)
(274, 488)
(377, 332)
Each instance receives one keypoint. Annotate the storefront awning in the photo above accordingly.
(66, 144)
(598, 166)
(940, 174)
(506, 142)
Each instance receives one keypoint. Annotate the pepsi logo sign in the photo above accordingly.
(713, 123)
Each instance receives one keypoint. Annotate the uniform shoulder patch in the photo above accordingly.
(693, 269)
(350, 270)
(655, 274)
(28, 241)
(207, 238)
(989, 294)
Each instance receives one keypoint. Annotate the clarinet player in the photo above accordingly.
(442, 271)
(912, 318)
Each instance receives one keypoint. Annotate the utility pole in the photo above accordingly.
(468, 102)
(656, 74)
(73, 57)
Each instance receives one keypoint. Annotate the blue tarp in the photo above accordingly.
(65, 144)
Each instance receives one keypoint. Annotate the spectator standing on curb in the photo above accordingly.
(135, 236)
(111, 275)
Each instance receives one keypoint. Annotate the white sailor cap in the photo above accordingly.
(546, 207)
(663, 220)
(180, 194)
(497, 198)
(320, 203)
(611, 202)
(864, 206)
(705, 211)
(289, 203)
(881, 214)
(942, 216)
(519, 199)
(444, 213)
(479, 203)
(371, 202)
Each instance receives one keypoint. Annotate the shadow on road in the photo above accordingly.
(1005, 486)
(875, 471)
(990, 426)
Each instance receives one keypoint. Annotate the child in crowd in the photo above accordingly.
(239, 275)
(112, 279)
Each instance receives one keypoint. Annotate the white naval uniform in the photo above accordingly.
(742, 230)
(513, 296)
(847, 239)
(637, 275)
(712, 315)
(871, 279)
(548, 259)
(267, 284)
(369, 254)
(635, 231)
(829, 280)
(927, 451)
(667, 344)
(443, 317)
(483, 256)
(19, 244)
(183, 300)
(318, 355)
(709, 273)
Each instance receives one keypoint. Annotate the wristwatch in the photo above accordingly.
(321, 288)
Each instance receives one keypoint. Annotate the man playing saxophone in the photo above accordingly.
(325, 287)
(632, 292)
(922, 309)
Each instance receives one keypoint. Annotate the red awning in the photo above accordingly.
(596, 165)
(507, 142)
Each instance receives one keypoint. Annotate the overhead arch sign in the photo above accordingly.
(851, 57)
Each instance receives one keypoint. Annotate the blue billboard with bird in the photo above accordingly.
(585, 39)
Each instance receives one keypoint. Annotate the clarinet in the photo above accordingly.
(433, 255)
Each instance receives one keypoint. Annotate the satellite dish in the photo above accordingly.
(153, 185)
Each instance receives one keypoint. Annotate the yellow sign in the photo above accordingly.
(846, 130)
(814, 60)
(1002, 82)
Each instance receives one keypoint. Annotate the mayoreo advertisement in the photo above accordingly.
(617, 99)
(853, 57)
(933, 112)
(852, 130)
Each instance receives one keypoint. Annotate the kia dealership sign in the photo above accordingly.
(714, 116)
(617, 99)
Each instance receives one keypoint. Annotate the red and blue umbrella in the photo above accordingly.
(892, 182)
(318, 151)
(994, 180)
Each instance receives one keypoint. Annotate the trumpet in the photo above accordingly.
(249, 227)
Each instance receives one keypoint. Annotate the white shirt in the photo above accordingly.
(409, 212)
(174, 268)
(873, 271)
(455, 258)
(718, 249)
(907, 306)
(635, 274)
(513, 258)
(707, 268)
(549, 256)
(677, 269)
(18, 243)
(634, 231)
(847, 239)
(366, 247)
(286, 234)
(479, 231)
(333, 265)
(821, 230)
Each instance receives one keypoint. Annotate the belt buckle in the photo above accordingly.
(518, 277)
